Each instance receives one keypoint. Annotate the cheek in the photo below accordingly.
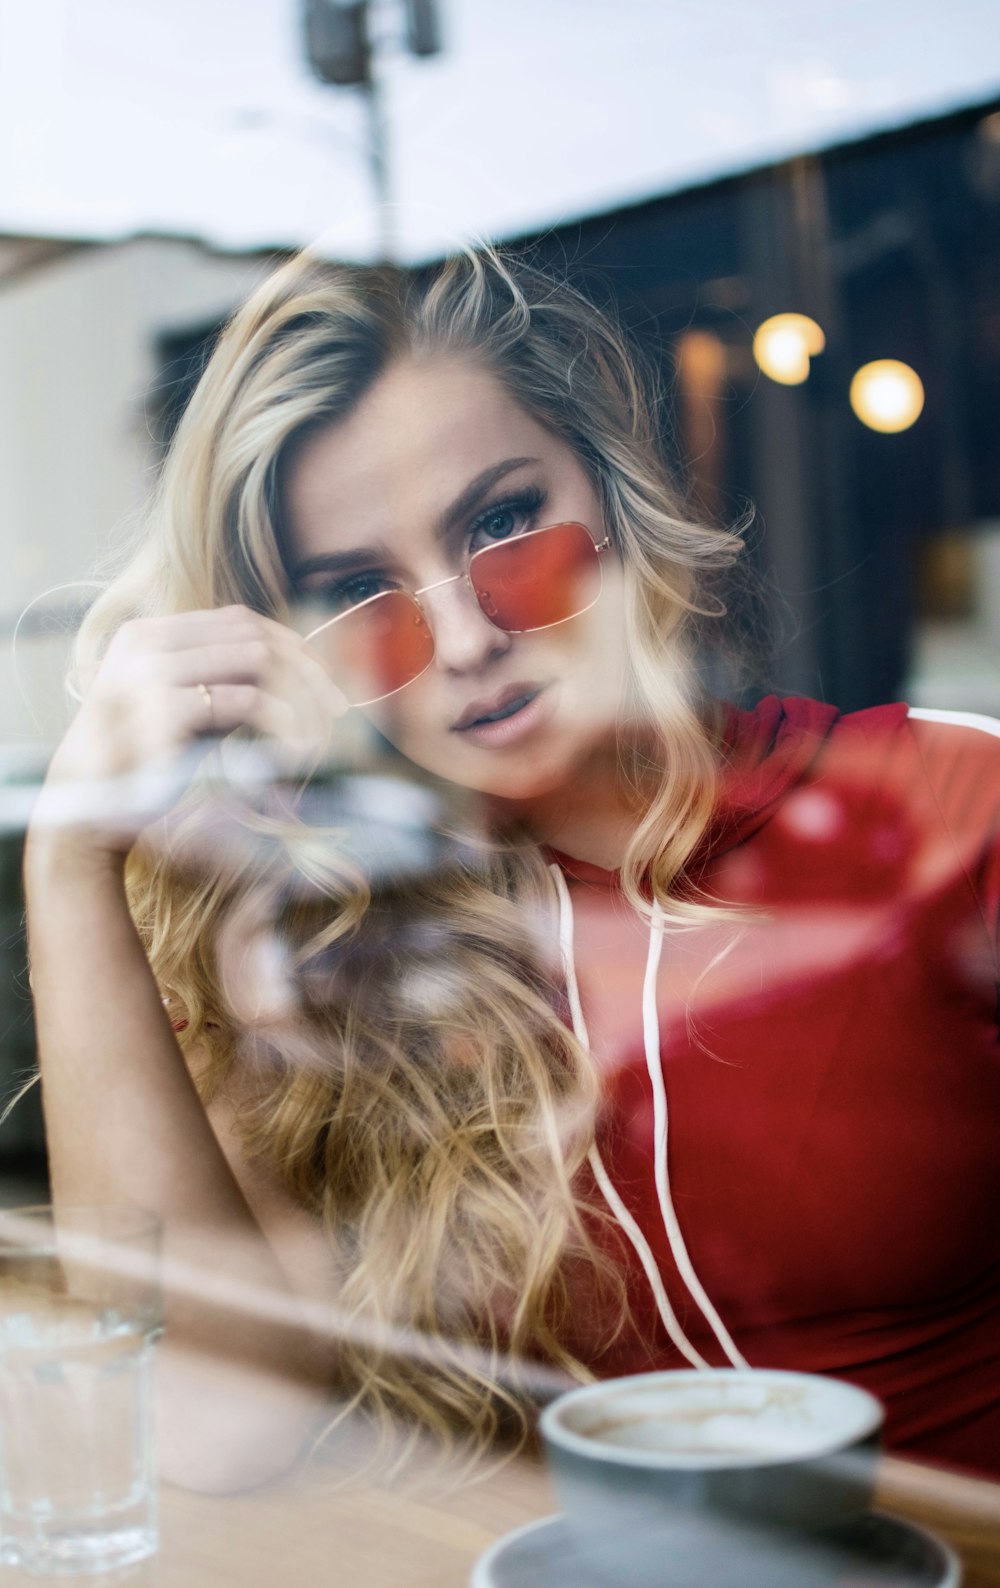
(597, 657)
(410, 724)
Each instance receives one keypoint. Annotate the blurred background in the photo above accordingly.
(796, 207)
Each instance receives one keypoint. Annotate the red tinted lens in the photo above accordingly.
(535, 580)
(377, 647)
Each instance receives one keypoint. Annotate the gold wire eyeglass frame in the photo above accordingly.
(414, 597)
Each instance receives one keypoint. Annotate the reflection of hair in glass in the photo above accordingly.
(433, 1140)
(398, 1061)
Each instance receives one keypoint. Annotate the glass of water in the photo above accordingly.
(80, 1311)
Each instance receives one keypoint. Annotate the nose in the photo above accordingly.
(465, 641)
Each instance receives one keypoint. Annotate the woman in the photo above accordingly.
(438, 508)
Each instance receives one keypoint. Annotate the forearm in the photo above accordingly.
(123, 1119)
(124, 1123)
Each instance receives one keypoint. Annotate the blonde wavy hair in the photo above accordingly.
(425, 1099)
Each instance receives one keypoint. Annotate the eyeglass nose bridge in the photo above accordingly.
(453, 578)
(439, 583)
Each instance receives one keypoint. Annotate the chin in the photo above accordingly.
(497, 776)
(518, 780)
(521, 787)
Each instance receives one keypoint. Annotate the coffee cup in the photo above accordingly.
(693, 1466)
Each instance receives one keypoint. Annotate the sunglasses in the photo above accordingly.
(532, 581)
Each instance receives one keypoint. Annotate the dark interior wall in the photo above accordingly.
(893, 245)
(21, 1135)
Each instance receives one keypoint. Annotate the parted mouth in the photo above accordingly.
(496, 707)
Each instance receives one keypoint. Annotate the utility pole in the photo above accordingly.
(343, 52)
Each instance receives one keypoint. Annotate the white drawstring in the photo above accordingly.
(654, 1064)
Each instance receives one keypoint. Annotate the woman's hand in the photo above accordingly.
(167, 690)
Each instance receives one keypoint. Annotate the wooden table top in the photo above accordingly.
(325, 1529)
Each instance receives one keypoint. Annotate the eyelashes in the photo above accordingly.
(501, 520)
(526, 501)
(527, 504)
(342, 594)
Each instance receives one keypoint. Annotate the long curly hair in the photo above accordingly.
(422, 1093)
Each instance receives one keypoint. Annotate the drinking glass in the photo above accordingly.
(80, 1311)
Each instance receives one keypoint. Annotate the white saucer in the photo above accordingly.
(878, 1551)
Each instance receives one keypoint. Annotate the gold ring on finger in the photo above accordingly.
(206, 695)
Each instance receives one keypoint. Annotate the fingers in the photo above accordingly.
(222, 662)
(232, 706)
(238, 656)
(180, 630)
(169, 685)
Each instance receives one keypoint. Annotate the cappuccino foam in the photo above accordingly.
(693, 1431)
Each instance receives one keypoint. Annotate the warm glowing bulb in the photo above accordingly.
(784, 344)
(887, 395)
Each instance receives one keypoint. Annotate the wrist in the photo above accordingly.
(60, 856)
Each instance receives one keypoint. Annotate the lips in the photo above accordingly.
(496, 707)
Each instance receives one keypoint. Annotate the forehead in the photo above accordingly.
(414, 441)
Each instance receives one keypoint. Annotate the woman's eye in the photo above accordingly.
(512, 517)
(498, 523)
(350, 592)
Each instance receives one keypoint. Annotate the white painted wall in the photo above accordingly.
(76, 360)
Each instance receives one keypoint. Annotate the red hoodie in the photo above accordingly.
(832, 1067)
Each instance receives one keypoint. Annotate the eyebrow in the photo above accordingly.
(461, 507)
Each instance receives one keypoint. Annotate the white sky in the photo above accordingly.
(200, 117)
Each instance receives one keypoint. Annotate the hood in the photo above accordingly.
(764, 753)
